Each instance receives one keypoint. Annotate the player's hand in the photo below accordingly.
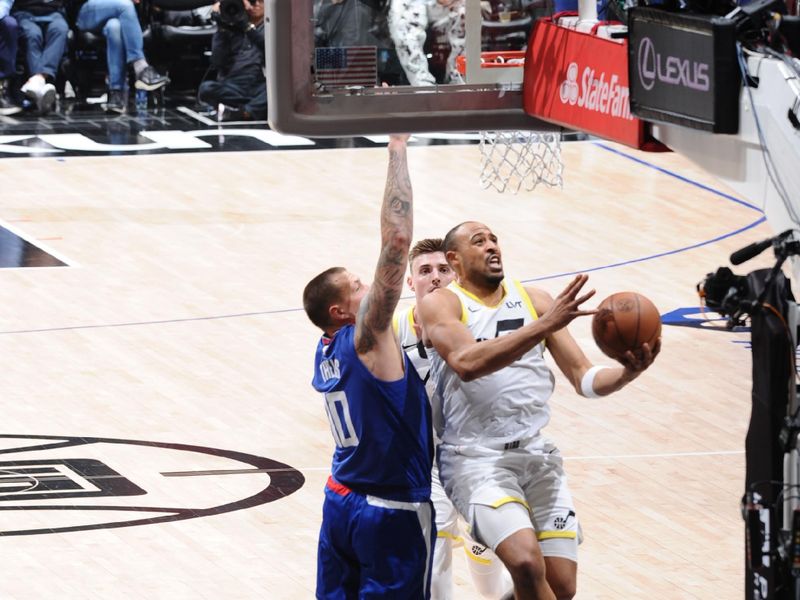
(637, 362)
(567, 305)
(399, 137)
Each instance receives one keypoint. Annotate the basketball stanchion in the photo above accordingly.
(517, 159)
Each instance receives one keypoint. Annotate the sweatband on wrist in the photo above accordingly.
(587, 382)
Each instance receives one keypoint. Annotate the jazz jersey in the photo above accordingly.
(504, 406)
(382, 429)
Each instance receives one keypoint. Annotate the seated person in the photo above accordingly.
(118, 22)
(44, 30)
(237, 54)
(9, 34)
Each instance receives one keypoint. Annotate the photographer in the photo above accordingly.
(237, 54)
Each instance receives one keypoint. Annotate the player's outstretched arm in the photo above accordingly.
(571, 360)
(374, 338)
(440, 312)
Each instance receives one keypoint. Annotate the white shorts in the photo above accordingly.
(531, 476)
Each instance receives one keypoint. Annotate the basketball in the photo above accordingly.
(625, 321)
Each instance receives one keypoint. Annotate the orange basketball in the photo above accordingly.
(625, 321)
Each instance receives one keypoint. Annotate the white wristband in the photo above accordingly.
(587, 382)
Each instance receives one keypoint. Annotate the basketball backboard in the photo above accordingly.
(328, 62)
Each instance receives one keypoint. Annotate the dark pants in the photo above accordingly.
(9, 33)
(245, 90)
(45, 39)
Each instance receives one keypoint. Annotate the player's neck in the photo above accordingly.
(487, 292)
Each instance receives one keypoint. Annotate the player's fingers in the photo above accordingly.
(574, 286)
(585, 297)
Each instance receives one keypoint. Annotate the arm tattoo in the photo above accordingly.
(375, 314)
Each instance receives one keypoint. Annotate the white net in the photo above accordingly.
(513, 160)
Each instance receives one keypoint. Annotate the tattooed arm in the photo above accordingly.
(375, 340)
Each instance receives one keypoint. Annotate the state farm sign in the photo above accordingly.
(580, 81)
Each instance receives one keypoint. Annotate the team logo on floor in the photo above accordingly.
(55, 484)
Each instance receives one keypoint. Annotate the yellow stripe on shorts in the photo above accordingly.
(475, 557)
(551, 535)
(507, 499)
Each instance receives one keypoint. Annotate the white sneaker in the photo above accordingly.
(45, 98)
(32, 87)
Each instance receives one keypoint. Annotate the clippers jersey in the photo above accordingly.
(382, 429)
(504, 406)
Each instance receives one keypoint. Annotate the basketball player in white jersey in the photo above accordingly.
(488, 336)
(429, 271)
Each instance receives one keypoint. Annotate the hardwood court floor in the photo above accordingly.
(179, 323)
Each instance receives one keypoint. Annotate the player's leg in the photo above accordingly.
(485, 487)
(489, 576)
(557, 527)
(337, 568)
(508, 530)
(394, 543)
(447, 537)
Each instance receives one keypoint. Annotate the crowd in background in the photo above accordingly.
(53, 52)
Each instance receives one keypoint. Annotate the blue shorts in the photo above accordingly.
(370, 547)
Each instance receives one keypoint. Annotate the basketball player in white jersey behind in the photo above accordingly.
(428, 271)
(488, 336)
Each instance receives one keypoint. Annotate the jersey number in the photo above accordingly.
(339, 417)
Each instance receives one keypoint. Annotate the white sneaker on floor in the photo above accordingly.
(46, 98)
(33, 86)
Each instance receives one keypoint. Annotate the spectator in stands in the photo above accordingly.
(409, 21)
(9, 33)
(118, 22)
(340, 23)
(237, 54)
(44, 30)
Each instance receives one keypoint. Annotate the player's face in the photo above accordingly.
(355, 290)
(429, 272)
(480, 254)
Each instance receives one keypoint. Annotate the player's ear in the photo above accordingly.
(410, 282)
(452, 259)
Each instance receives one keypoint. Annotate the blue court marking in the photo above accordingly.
(542, 278)
(668, 252)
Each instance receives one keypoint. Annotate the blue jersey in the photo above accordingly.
(382, 430)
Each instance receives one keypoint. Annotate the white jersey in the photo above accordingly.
(505, 406)
(404, 326)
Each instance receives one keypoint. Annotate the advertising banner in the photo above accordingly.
(684, 70)
(580, 81)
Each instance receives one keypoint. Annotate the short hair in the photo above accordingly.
(450, 242)
(319, 294)
(426, 246)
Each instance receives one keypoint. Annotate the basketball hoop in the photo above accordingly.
(513, 160)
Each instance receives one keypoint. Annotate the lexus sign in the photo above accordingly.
(683, 69)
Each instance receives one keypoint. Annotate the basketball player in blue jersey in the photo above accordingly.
(378, 529)
(488, 336)
(429, 271)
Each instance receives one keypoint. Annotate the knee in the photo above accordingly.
(9, 25)
(206, 91)
(563, 590)
(31, 32)
(59, 28)
(527, 570)
(112, 30)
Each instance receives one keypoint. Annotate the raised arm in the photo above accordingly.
(440, 312)
(375, 340)
(587, 379)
